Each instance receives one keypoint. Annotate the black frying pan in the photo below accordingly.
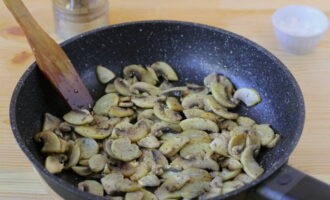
(194, 51)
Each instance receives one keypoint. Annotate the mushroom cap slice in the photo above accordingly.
(245, 121)
(173, 104)
(55, 163)
(159, 128)
(144, 101)
(116, 111)
(104, 103)
(133, 132)
(274, 141)
(150, 76)
(51, 142)
(104, 74)
(74, 156)
(165, 70)
(124, 150)
(92, 132)
(231, 164)
(92, 187)
(127, 169)
(78, 117)
(166, 114)
(199, 113)
(236, 145)
(141, 171)
(229, 186)
(97, 162)
(51, 122)
(148, 195)
(196, 150)
(265, 133)
(110, 88)
(88, 147)
(196, 136)
(110, 180)
(134, 70)
(138, 195)
(219, 93)
(150, 180)
(249, 96)
(172, 146)
(175, 91)
(250, 165)
(154, 157)
(199, 124)
(126, 185)
(149, 141)
(82, 170)
(196, 162)
(220, 145)
(229, 174)
(122, 86)
(246, 179)
(141, 87)
(194, 100)
(213, 105)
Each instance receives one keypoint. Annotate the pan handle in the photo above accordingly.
(289, 183)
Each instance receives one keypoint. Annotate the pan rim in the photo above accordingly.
(71, 188)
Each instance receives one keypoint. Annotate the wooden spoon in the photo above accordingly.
(51, 59)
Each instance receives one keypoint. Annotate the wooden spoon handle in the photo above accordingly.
(51, 59)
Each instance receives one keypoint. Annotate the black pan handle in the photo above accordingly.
(289, 183)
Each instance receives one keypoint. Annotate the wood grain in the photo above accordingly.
(248, 18)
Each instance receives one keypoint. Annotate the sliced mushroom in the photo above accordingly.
(92, 187)
(126, 185)
(150, 76)
(110, 180)
(133, 132)
(154, 159)
(116, 111)
(82, 170)
(50, 122)
(104, 74)
(88, 147)
(147, 114)
(159, 128)
(215, 78)
(92, 132)
(122, 86)
(250, 166)
(173, 145)
(175, 91)
(150, 180)
(265, 133)
(274, 141)
(194, 88)
(166, 114)
(134, 70)
(124, 150)
(83, 162)
(252, 139)
(149, 141)
(193, 189)
(229, 186)
(127, 169)
(220, 145)
(51, 142)
(198, 113)
(141, 171)
(219, 93)
(138, 195)
(55, 163)
(173, 104)
(227, 125)
(249, 96)
(197, 162)
(231, 164)
(148, 195)
(97, 162)
(199, 124)
(65, 127)
(144, 101)
(240, 130)
(141, 87)
(214, 190)
(196, 136)
(236, 145)
(103, 104)
(74, 156)
(245, 121)
(115, 197)
(244, 178)
(211, 78)
(229, 174)
(165, 85)
(194, 100)
(213, 105)
(78, 117)
(110, 88)
(165, 70)
(196, 150)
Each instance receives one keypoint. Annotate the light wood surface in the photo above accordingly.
(250, 18)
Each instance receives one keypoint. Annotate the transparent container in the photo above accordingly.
(73, 17)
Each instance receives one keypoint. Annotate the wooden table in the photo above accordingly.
(251, 19)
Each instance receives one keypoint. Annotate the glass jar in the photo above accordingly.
(73, 17)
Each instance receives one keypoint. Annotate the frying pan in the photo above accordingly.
(194, 50)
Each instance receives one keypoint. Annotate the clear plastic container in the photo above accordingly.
(73, 17)
(299, 29)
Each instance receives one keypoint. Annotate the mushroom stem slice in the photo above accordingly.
(165, 70)
(250, 166)
(92, 187)
(97, 162)
(199, 124)
(104, 74)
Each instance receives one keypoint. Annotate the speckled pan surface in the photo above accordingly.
(194, 50)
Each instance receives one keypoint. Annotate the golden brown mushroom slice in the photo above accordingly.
(55, 163)
(144, 101)
(229, 186)
(198, 113)
(93, 132)
(265, 133)
(150, 76)
(215, 107)
(122, 86)
(219, 93)
(175, 91)
(74, 156)
(172, 146)
(166, 114)
(220, 145)
(159, 128)
(165, 70)
(141, 171)
(133, 132)
(141, 87)
(134, 71)
(173, 104)
(82, 170)
(149, 142)
(51, 122)
(96, 163)
(51, 142)
(124, 150)
(196, 174)
(149, 180)
(250, 165)
(103, 104)
(92, 187)
(104, 74)
(199, 124)
(78, 117)
(227, 125)
(110, 88)
(196, 150)
(196, 136)
(88, 147)
(138, 195)
(194, 100)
